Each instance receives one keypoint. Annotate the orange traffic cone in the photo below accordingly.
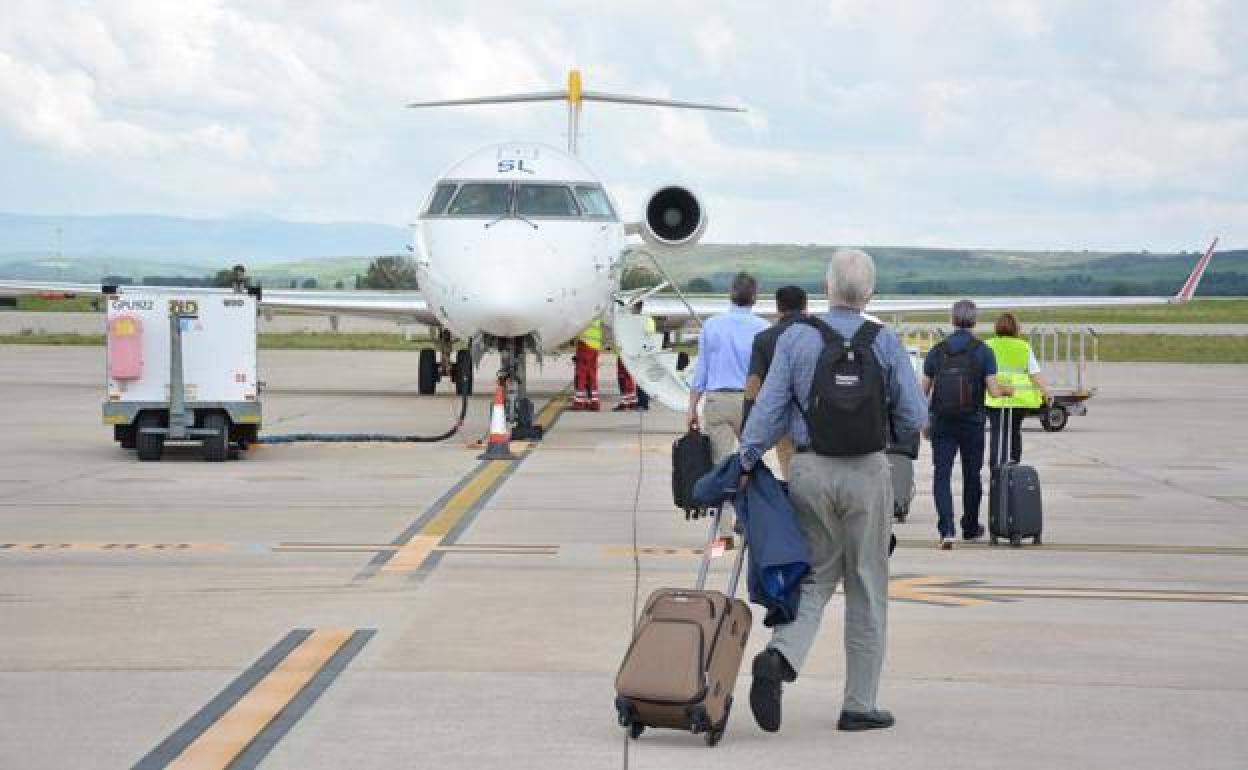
(498, 445)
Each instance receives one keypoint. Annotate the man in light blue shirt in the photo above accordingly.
(724, 347)
(844, 504)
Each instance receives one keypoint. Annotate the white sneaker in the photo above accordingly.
(946, 544)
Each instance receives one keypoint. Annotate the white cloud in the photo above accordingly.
(875, 122)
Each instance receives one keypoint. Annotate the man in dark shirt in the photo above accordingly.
(790, 306)
(963, 433)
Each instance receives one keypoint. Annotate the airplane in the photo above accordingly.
(519, 246)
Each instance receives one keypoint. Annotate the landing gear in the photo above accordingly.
(461, 373)
(427, 381)
(520, 413)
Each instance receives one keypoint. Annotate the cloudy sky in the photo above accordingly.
(1007, 123)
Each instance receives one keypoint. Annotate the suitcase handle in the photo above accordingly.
(705, 567)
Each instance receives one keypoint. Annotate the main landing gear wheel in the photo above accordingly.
(461, 373)
(1054, 418)
(427, 381)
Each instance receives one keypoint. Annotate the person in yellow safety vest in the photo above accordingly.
(1018, 368)
(588, 345)
(632, 398)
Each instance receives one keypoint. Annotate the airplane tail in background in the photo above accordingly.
(574, 95)
(1188, 290)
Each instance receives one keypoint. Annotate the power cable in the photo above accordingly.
(353, 438)
(641, 468)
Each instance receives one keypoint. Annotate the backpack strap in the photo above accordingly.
(831, 337)
(866, 334)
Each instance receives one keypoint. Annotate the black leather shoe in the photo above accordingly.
(770, 671)
(854, 721)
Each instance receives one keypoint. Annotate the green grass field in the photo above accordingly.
(1161, 348)
(41, 305)
(1201, 311)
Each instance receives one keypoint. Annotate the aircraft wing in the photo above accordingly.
(672, 311)
(407, 306)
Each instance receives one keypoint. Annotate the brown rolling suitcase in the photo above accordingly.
(681, 668)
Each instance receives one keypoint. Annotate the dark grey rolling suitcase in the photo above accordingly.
(681, 668)
(1015, 504)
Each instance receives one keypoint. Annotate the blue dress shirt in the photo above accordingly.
(724, 350)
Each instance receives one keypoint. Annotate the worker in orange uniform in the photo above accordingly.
(588, 345)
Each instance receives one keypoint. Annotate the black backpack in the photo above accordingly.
(958, 384)
(847, 408)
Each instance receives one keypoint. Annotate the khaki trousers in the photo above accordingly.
(721, 422)
(845, 511)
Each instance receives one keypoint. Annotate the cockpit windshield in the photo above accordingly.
(545, 200)
(481, 199)
(594, 201)
(441, 196)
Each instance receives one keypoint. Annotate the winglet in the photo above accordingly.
(1188, 289)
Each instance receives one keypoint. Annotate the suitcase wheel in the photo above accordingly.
(699, 721)
(625, 714)
(715, 734)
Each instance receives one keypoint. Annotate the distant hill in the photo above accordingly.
(905, 270)
(278, 252)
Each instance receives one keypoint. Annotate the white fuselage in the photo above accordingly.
(528, 268)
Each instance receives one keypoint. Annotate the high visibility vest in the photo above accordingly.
(1012, 354)
(592, 336)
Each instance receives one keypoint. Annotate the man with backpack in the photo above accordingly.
(836, 383)
(956, 373)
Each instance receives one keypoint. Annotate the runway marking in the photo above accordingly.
(111, 547)
(424, 541)
(493, 548)
(239, 727)
(951, 592)
(1173, 550)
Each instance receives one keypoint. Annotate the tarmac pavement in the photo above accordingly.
(359, 606)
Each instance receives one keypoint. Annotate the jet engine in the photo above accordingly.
(674, 218)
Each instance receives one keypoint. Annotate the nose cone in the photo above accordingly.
(509, 295)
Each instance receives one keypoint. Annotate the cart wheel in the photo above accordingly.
(150, 446)
(992, 540)
(1016, 541)
(635, 730)
(217, 446)
(128, 438)
(462, 372)
(1036, 540)
(1054, 418)
(427, 376)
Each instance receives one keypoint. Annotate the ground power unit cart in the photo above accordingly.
(181, 367)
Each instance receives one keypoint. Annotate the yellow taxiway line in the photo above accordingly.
(220, 744)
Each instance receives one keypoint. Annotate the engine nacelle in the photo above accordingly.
(674, 218)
